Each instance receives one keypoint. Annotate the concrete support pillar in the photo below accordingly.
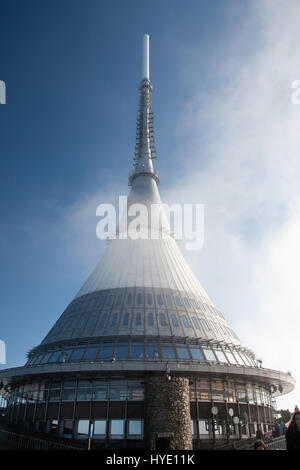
(168, 418)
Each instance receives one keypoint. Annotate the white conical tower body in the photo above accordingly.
(143, 286)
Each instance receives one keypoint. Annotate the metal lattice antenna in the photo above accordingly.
(145, 147)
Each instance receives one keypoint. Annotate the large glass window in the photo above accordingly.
(168, 352)
(152, 352)
(138, 319)
(159, 299)
(126, 319)
(220, 356)
(55, 391)
(114, 320)
(118, 390)
(106, 352)
(77, 354)
(137, 351)
(100, 428)
(84, 390)
(209, 354)
(183, 353)
(100, 391)
(185, 321)
(169, 300)
(67, 428)
(135, 428)
(55, 357)
(129, 299)
(197, 354)
(102, 320)
(162, 319)
(230, 357)
(149, 299)
(196, 323)
(203, 427)
(139, 299)
(83, 429)
(119, 300)
(178, 301)
(117, 428)
(187, 303)
(45, 358)
(121, 352)
(174, 320)
(69, 390)
(91, 353)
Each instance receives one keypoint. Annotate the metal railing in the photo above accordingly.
(12, 440)
(277, 444)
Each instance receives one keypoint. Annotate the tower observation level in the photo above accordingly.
(142, 353)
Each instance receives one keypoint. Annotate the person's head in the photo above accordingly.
(295, 421)
(259, 445)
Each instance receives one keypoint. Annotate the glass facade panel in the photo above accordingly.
(169, 300)
(159, 299)
(137, 352)
(230, 357)
(138, 319)
(117, 428)
(68, 394)
(197, 354)
(100, 393)
(185, 321)
(83, 429)
(135, 427)
(77, 354)
(54, 357)
(152, 352)
(121, 352)
(209, 354)
(91, 353)
(100, 427)
(162, 319)
(174, 320)
(84, 394)
(168, 352)
(196, 323)
(126, 319)
(149, 299)
(183, 353)
(106, 352)
(67, 428)
(220, 356)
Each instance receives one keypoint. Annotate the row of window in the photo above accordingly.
(219, 390)
(87, 324)
(80, 390)
(208, 428)
(140, 299)
(96, 429)
(137, 350)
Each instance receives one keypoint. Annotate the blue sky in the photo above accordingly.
(225, 131)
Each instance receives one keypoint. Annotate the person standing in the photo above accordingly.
(292, 434)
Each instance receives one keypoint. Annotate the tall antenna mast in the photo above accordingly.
(146, 70)
(144, 148)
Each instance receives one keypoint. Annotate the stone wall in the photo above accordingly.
(168, 412)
